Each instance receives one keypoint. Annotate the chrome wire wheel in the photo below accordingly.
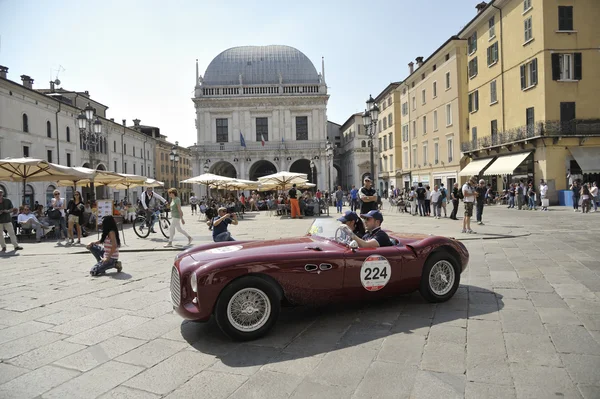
(441, 277)
(248, 309)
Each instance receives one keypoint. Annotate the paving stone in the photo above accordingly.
(558, 316)
(590, 321)
(365, 336)
(155, 327)
(171, 373)
(89, 321)
(245, 360)
(13, 318)
(486, 360)
(356, 360)
(444, 333)
(314, 390)
(21, 330)
(151, 353)
(542, 382)
(95, 355)
(155, 310)
(487, 312)
(476, 390)
(511, 293)
(573, 339)
(521, 321)
(536, 285)
(128, 393)
(589, 391)
(457, 318)
(517, 304)
(444, 357)
(576, 291)
(45, 354)
(438, 385)
(95, 382)
(108, 330)
(64, 316)
(406, 349)
(25, 344)
(267, 384)
(8, 372)
(209, 385)
(33, 384)
(531, 349)
(387, 380)
(583, 306)
(547, 300)
(288, 363)
(412, 325)
(583, 369)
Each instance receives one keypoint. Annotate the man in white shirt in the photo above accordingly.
(150, 202)
(469, 195)
(436, 202)
(594, 194)
(194, 204)
(27, 220)
(544, 194)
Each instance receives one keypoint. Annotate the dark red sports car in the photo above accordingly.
(244, 284)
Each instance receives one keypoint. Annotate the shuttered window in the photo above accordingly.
(565, 17)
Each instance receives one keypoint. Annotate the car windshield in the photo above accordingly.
(326, 228)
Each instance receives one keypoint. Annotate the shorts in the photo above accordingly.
(74, 219)
(194, 207)
(468, 209)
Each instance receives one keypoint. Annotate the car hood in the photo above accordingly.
(264, 249)
(407, 238)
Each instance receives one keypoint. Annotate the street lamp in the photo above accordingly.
(90, 133)
(370, 123)
(329, 154)
(174, 157)
(312, 173)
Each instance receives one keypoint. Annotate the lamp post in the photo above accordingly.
(329, 154)
(370, 123)
(90, 133)
(312, 173)
(206, 169)
(174, 157)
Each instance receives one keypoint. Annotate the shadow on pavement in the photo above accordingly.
(314, 331)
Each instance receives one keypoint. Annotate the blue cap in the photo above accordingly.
(375, 214)
(348, 216)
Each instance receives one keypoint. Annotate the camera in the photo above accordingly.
(231, 210)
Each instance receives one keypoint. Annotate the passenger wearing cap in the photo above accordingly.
(375, 237)
(352, 220)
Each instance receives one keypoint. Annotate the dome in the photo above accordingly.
(260, 65)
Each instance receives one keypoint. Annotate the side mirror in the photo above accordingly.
(353, 245)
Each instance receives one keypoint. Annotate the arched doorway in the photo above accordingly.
(29, 195)
(303, 166)
(336, 177)
(101, 191)
(261, 168)
(223, 168)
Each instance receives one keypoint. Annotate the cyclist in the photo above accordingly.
(150, 201)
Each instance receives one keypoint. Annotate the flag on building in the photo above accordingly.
(242, 141)
(262, 140)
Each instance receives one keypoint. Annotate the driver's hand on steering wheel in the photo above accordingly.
(346, 230)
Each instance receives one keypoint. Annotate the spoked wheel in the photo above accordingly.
(140, 228)
(440, 278)
(164, 224)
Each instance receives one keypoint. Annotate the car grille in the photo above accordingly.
(175, 287)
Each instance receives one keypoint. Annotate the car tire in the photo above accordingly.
(248, 308)
(440, 278)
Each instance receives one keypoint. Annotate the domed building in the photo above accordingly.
(261, 110)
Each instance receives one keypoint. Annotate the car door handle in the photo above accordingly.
(310, 268)
(325, 266)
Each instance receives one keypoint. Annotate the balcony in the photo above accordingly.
(257, 146)
(552, 129)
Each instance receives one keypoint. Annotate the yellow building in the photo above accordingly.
(388, 130)
(533, 81)
(172, 173)
(433, 108)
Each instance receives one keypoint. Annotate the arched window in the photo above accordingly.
(25, 123)
(29, 194)
(48, 129)
(68, 134)
(363, 144)
(49, 193)
(69, 193)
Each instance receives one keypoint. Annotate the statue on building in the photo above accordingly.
(280, 78)
(200, 79)
(240, 77)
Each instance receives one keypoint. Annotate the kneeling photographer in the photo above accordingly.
(220, 224)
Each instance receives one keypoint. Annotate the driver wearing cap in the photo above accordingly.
(352, 220)
(375, 237)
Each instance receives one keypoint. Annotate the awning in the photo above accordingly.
(588, 158)
(474, 167)
(506, 165)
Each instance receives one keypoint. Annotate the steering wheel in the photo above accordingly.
(340, 233)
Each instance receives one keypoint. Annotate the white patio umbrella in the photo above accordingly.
(210, 180)
(283, 179)
(93, 176)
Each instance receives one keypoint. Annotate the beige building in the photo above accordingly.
(433, 108)
(533, 82)
(172, 173)
(388, 130)
(354, 152)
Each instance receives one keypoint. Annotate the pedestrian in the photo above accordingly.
(194, 204)
(519, 196)
(444, 198)
(436, 202)
(576, 190)
(176, 218)
(106, 255)
(294, 205)
(469, 196)
(368, 197)
(532, 197)
(58, 204)
(412, 198)
(354, 198)
(339, 198)
(6, 211)
(455, 201)
(421, 193)
(220, 223)
(585, 198)
(594, 194)
(480, 200)
(512, 193)
(75, 209)
(544, 195)
(427, 201)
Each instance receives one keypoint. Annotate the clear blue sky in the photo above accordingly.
(138, 57)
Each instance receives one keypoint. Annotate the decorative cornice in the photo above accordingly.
(260, 102)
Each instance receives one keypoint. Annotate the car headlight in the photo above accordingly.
(194, 282)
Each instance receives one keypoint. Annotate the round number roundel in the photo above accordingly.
(375, 273)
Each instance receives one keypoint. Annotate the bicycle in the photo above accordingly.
(141, 226)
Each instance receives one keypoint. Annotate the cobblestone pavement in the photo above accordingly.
(525, 323)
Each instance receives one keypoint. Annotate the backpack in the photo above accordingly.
(443, 193)
(54, 214)
(461, 195)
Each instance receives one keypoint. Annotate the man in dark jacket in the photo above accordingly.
(480, 199)
(368, 197)
(455, 199)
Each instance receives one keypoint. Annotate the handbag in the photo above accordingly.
(54, 214)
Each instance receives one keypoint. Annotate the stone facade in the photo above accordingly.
(354, 152)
